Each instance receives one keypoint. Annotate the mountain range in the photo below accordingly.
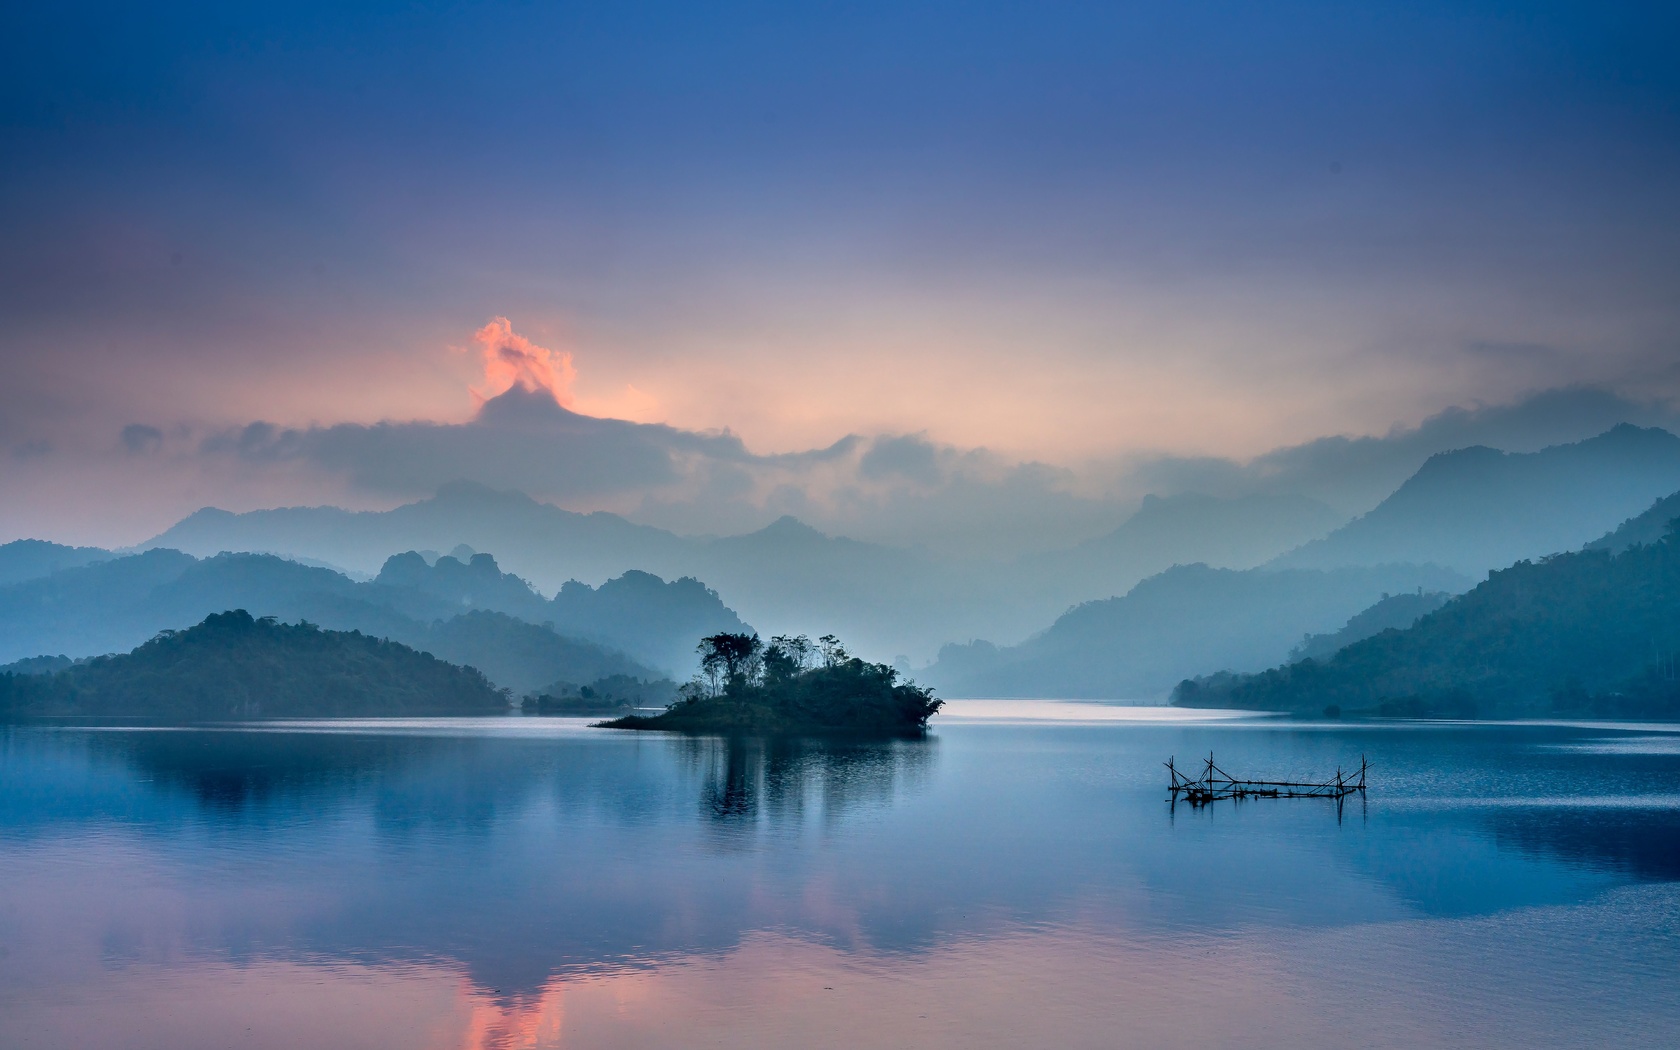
(234, 665)
(787, 576)
(1471, 511)
(1593, 632)
(1188, 585)
(1478, 509)
(1187, 620)
(28, 559)
(468, 613)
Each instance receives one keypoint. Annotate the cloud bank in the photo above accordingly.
(529, 433)
(906, 489)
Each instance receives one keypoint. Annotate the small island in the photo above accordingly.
(792, 686)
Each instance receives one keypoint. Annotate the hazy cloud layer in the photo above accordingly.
(1352, 474)
(519, 439)
(1064, 231)
(904, 488)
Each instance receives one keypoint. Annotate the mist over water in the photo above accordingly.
(1017, 878)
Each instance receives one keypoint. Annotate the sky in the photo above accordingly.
(880, 265)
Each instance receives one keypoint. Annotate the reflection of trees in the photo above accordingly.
(521, 858)
(785, 781)
(230, 770)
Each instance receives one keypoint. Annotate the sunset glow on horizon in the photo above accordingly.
(1073, 240)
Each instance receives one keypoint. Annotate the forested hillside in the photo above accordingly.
(235, 666)
(1184, 621)
(467, 613)
(28, 559)
(1588, 632)
(1393, 610)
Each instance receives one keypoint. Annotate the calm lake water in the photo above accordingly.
(1016, 880)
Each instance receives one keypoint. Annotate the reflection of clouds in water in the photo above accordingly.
(518, 1022)
(1535, 978)
(544, 884)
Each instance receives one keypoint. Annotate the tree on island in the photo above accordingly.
(793, 685)
(730, 661)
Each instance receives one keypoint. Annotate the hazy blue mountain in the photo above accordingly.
(1189, 620)
(1588, 632)
(233, 665)
(30, 559)
(524, 657)
(1186, 529)
(1478, 509)
(1393, 611)
(791, 578)
(1245, 531)
(785, 577)
(38, 665)
(478, 583)
(658, 623)
(1651, 526)
(92, 610)
(113, 606)
(539, 542)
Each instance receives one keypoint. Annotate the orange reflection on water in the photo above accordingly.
(1090, 984)
(520, 1023)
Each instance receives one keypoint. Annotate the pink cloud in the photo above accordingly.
(512, 360)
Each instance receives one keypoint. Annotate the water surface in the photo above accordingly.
(1017, 879)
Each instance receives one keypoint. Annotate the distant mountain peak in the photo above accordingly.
(789, 527)
(204, 514)
(1477, 508)
(1629, 433)
(1458, 457)
(462, 491)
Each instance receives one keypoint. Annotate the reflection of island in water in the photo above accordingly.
(456, 815)
(739, 780)
(230, 770)
(787, 780)
(531, 856)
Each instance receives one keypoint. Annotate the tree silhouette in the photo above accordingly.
(733, 658)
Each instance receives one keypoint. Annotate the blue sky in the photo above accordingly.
(1062, 232)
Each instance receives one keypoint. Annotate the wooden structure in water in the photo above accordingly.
(1213, 784)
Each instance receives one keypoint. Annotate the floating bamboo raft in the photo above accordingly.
(1213, 784)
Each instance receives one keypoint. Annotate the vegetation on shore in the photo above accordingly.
(791, 686)
(608, 695)
(1588, 633)
(235, 666)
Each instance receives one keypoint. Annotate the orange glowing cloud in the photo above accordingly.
(511, 359)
